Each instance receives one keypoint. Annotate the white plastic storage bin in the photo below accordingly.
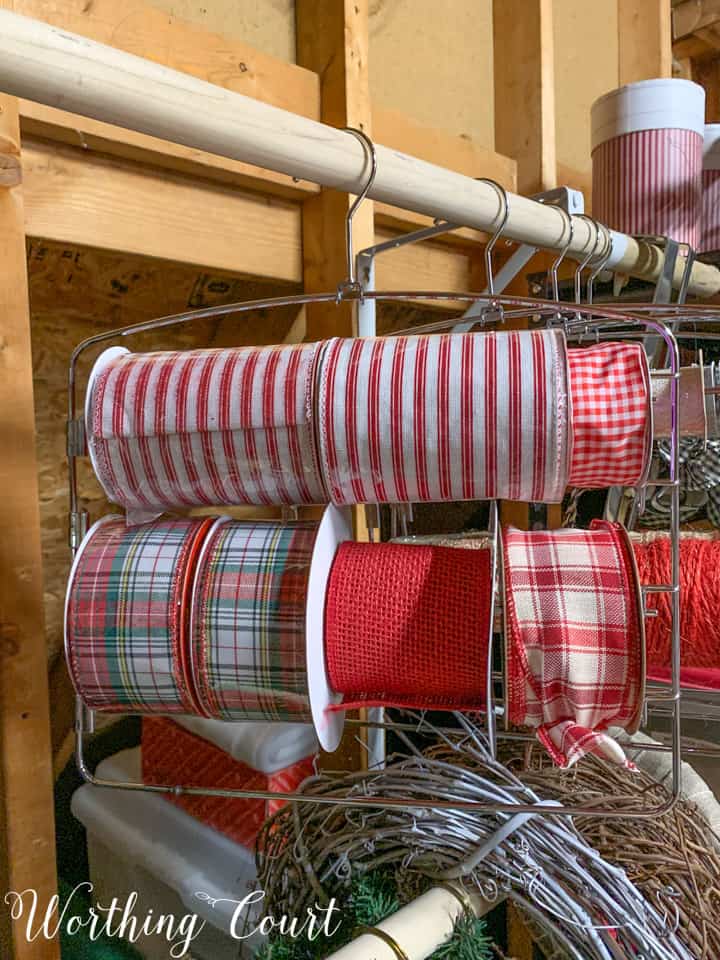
(137, 842)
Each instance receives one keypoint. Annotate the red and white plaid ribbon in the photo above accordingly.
(611, 415)
(206, 427)
(125, 616)
(575, 639)
(648, 182)
(450, 417)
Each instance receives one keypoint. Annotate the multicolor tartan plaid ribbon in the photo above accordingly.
(449, 417)
(575, 638)
(202, 427)
(248, 621)
(123, 623)
(611, 415)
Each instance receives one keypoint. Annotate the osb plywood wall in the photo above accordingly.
(431, 61)
(584, 70)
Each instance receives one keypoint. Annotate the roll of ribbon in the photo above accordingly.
(647, 143)
(574, 639)
(124, 616)
(408, 626)
(449, 417)
(248, 620)
(699, 604)
(710, 236)
(229, 426)
(611, 415)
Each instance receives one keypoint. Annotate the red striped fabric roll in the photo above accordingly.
(206, 427)
(449, 417)
(710, 239)
(648, 182)
(611, 415)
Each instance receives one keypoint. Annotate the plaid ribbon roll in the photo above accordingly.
(611, 415)
(574, 639)
(449, 417)
(248, 621)
(206, 427)
(124, 616)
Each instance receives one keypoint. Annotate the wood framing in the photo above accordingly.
(644, 40)
(525, 90)
(332, 40)
(27, 841)
(696, 27)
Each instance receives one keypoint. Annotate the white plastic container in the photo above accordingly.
(647, 142)
(137, 842)
(710, 234)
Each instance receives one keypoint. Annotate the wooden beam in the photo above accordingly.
(692, 16)
(525, 90)
(99, 202)
(644, 40)
(27, 839)
(332, 40)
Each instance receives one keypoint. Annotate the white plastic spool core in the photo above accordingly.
(335, 528)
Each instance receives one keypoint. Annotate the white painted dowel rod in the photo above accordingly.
(418, 928)
(60, 69)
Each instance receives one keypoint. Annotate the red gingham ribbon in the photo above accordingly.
(450, 417)
(611, 415)
(648, 182)
(575, 641)
(203, 427)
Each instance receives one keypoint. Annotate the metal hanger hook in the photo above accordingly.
(556, 265)
(350, 284)
(604, 257)
(504, 214)
(588, 256)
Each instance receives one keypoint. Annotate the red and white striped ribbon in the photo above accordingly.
(204, 427)
(648, 182)
(710, 239)
(450, 417)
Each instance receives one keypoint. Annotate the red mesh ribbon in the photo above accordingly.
(407, 626)
(172, 754)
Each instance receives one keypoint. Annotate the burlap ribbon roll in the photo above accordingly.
(575, 656)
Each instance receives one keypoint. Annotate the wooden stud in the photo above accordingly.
(332, 40)
(692, 16)
(525, 90)
(99, 202)
(27, 841)
(644, 40)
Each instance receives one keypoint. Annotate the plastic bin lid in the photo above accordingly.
(168, 843)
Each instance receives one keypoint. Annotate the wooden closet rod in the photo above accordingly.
(60, 69)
